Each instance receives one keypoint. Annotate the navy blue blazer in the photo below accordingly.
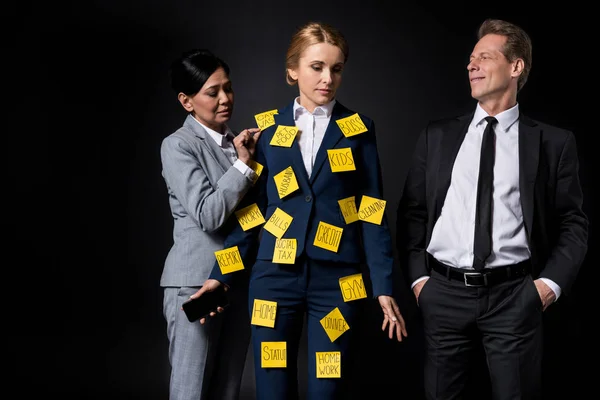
(317, 200)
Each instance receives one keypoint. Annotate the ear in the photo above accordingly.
(293, 74)
(517, 68)
(184, 99)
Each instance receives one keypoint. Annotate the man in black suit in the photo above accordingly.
(486, 257)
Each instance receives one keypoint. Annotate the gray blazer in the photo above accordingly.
(204, 189)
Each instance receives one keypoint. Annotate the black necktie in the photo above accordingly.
(482, 246)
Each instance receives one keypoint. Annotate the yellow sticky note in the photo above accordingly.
(341, 160)
(257, 167)
(348, 207)
(273, 354)
(334, 324)
(286, 182)
(249, 217)
(284, 136)
(371, 210)
(265, 119)
(278, 223)
(229, 260)
(329, 364)
(353, 287)
(328, 236)
(285, 251)
(264, 312)
(351, 125)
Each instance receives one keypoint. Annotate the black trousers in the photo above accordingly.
(506, 319)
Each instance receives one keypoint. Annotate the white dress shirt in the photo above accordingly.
(311, 130)
(453, 234)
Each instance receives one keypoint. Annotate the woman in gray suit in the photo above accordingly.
(206, 169)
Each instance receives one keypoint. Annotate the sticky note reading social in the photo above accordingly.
(351, 125)
(257, 168)
(264, 312)
(341, 160)
(229, 260)
(371, 210)
(286, 182)
(284, 136)
(273, 354)
(348, 208)
(353, 287)
(334, 324)
(265, 119)
(285, 251)
(329, 364)
(328, 236)
(249, 217)
(278, 223)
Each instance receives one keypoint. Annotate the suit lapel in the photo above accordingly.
(529, 153)
(333, 134)
(451, 140)
(286, 118)
(208, 144)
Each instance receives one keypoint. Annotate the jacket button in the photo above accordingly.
(308, 198)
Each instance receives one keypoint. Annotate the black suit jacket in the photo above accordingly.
(551, 197)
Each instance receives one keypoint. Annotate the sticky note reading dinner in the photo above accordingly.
(229, 260)
(371, 210)
(351, 125)
(334, 324)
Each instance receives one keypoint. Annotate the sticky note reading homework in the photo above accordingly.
(249, 217)
(341, 160)
(352, 287)
(328, 236)
(273, 354)
(371, 210)
(334, 324)
(265, 119)
(278, 223)
(285, 251)
(351, 125)
(229, 260)
(329, 364)
(284, 136)
(286, 182)
(264, 312)
(348, 208)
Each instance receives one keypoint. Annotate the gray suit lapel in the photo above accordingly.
(529, 153)
(208, 144)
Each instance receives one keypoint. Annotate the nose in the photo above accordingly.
(326, 75)
(224, 98)
(472, 65)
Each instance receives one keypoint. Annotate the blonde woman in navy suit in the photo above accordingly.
(309, 286)
(205, 167)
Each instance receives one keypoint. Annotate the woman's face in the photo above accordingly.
(319, 74)
(213, 104)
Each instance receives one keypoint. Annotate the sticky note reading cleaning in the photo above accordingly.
(265, 119)
(329, 364)
(229, 260)
(278, 223)
(257, 167)
(348, 208)
(351, 125)
(352, 287)
(371, 210)
(334, 324)
(284, 136)
(286, 182)
(328, 236)
(285, 251)
(341, 160)
(273, 354)
(264, 312)
(249, 217)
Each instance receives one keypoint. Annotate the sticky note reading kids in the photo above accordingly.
(328, 236)
(329, 364)
(265, 119)
(285, 251)
(341, 160)
(284, 136)
(371, 210)
(264, 312)
(249, 217)
(348, 207)
(229, 260)
(286, 182)
(278, 223)
(273, 354)
(351, 125)
(352, 287)
(334, 324)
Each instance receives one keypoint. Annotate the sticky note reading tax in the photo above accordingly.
(285, 251)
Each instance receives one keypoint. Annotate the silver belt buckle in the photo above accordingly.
(466, 274)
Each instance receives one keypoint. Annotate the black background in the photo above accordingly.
(88, 102)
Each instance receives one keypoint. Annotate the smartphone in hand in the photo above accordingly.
(200, 307)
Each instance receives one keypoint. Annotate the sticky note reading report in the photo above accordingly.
(229, 260)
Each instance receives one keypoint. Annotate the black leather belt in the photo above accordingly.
(484, 278)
